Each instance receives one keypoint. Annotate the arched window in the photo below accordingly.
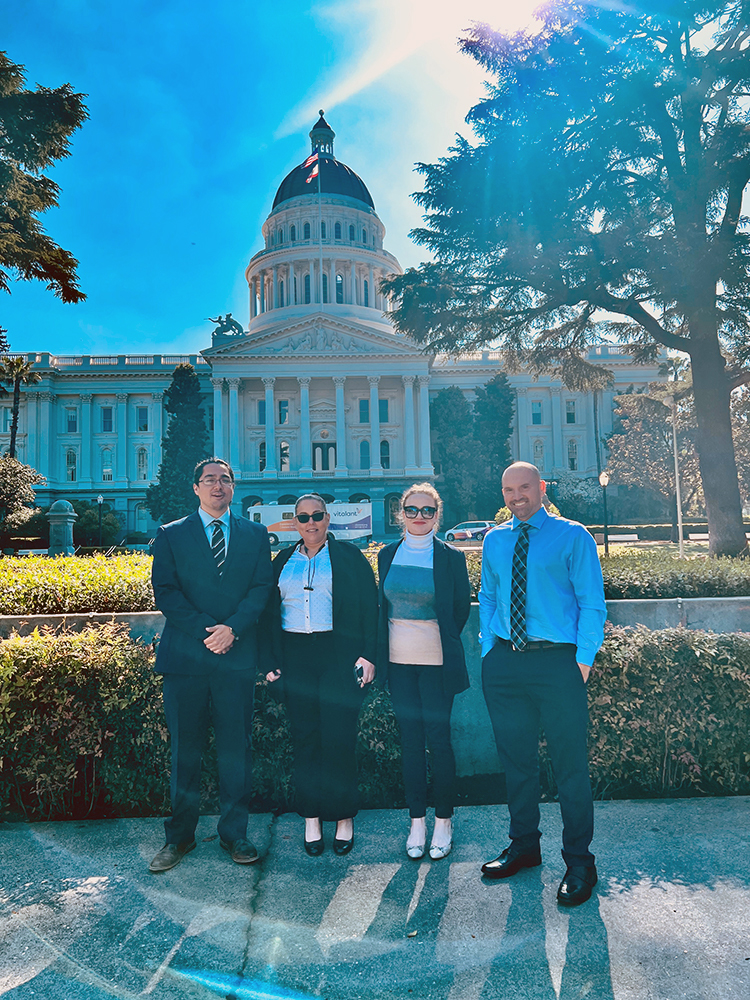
(366, 296)
(262, 456)
(306, 231)
(539, 455)
(339, 289)
(573, 456)
(385, 454)
(107, 465)
(373, 239)
(364, 454)
(364, 236)
(337, 231)
(280, 236)
(71, 463)
(351, 233)
(142, 464)
(322, 230)
(284, 456)
(295, 289)
(307, 289)
(281, 294)
(325, 287)
(293, 233)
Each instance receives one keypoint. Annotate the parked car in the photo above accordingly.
(467, 530)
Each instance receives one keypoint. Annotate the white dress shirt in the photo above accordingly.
(306, 587)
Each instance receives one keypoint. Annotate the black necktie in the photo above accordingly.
(218, 547)
(518, 589)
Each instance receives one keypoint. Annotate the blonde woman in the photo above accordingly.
(424, 604)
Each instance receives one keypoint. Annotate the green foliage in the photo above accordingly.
(493, 420)
(183, 446)
(633, 574)
(17, 482)
(35, 131)
(35, 585)
(16, 372)
(86, 528)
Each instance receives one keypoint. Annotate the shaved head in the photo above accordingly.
(523, 489)
(526, 467)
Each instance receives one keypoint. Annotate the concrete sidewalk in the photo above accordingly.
(81, 918)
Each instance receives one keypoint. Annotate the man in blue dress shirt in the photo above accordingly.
(542, 614)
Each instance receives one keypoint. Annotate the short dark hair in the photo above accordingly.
(310, 496)
(211, 461)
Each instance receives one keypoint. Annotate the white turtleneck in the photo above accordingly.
(413, 631)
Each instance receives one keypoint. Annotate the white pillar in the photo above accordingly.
(122, 437)
(234, 425)
(46, 467)
(341, 467)
(522, 423)
(376, 469)
(85, 478)
(32, 448)
(253, 285)
(371, 291)
(409, 442)
(425, 456)
(353, 282)
(558, 459)
(218, 384)
(275, 299)
(262, 282)
(271, 469)
(332, 282)
(158, 398)
(304, 419)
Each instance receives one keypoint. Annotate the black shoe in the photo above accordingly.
(510, 862)
(170, 855)
(343, 846)
(315, 847)
(242, 851)
(576, 887)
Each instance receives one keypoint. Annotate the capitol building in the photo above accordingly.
(319, 392)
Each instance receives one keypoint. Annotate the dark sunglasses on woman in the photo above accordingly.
(317, 516)
(427, 512)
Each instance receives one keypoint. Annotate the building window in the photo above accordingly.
(373, 239)
(295, 289)
(71, 420)
(283, 411)
(107, 419)
(7, 419)
(383, 411)
(280, 238)
(364, 236)
(366, 293)
(142, 464)
(284, 456)
(364, 413)
(307, 289)
(293, 234)
(536, 411)
(322, 230)
(539, 455)
(306, 231)
(70, 465)
(339, 289)
(141, 418)
(337, 231)
(351, 234)
(364, 454)
(385, 454)
(570, 411)
(261, 411)
(572, 456)
(262, 456)
(281, 294)
(107, 465)
(325, 287)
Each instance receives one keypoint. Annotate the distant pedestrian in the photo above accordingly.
(425, 599)
(542, 614)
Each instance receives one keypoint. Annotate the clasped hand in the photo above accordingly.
(219, 639)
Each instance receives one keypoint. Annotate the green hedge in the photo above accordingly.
(639, 574)
(82, 731)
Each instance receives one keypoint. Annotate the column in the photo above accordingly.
(589, 438)
(353, 285)
(85, 477)
(376, 469)
(275, 299)
(271, 470)
(372, 289)
(32, 448)
(158, 398)
(409, 449)
(262, 282)
(332, 282)
(522, 425)
(341, 467)
(46, 466)
(122, 437)
(234, 425)
(304, 420)
(558, 459)
(425, 454)
(218, 384)
(253, 287)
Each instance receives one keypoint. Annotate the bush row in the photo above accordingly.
(82, 731)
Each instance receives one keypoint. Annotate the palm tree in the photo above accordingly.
(16, 371)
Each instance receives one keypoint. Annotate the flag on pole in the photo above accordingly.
(310, 160)
(313, 174)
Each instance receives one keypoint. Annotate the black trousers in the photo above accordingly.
(188, 702)
(423, 711)
(543, 688)
(323, 702)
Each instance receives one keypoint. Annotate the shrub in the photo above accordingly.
(637, 574)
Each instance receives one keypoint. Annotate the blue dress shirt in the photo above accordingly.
(208, 526)
(564, 591)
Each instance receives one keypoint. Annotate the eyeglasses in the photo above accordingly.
(317, 516)
(426, 512)
(213, 480)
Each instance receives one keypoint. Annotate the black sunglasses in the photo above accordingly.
(428, 512)
(317, 516)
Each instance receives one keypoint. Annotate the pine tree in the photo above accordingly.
(493, 419)
(183, 446)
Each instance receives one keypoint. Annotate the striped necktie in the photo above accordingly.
(518, 589)
(218, 547)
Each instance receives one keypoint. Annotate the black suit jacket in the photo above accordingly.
(452, 606)
(191, 595)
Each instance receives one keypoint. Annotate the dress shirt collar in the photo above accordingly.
(207, 518)
(535, 521)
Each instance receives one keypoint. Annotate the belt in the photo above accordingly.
(535, 645)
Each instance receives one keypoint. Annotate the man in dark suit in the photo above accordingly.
(211, 577)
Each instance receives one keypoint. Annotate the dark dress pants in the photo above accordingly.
(423, 711)
(188, 703)
(543, 688)
(323, 702)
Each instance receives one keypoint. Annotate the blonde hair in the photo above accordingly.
(429, 490)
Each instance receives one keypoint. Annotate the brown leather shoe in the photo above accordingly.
(576, 887)
(510, 862)
(242, 851)
(170, 856)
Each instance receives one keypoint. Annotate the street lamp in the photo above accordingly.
(672, 403)
(100, 501)
(604, 483)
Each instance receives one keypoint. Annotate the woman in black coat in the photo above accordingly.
(322, 617)
(425, 600)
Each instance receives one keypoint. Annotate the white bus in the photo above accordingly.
(349, 521)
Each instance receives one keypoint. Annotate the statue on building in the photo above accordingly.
(226, 326)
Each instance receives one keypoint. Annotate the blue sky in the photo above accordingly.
(197, 112)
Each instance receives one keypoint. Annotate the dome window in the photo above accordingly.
(325, 288)
(339, 289)
(366, 291)
(280, 236)
(351, 234)
(337, 231)
(364, 236)
(293, 234)
(322, 230)
(307, 289)
(306, 231)
(281, 294)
